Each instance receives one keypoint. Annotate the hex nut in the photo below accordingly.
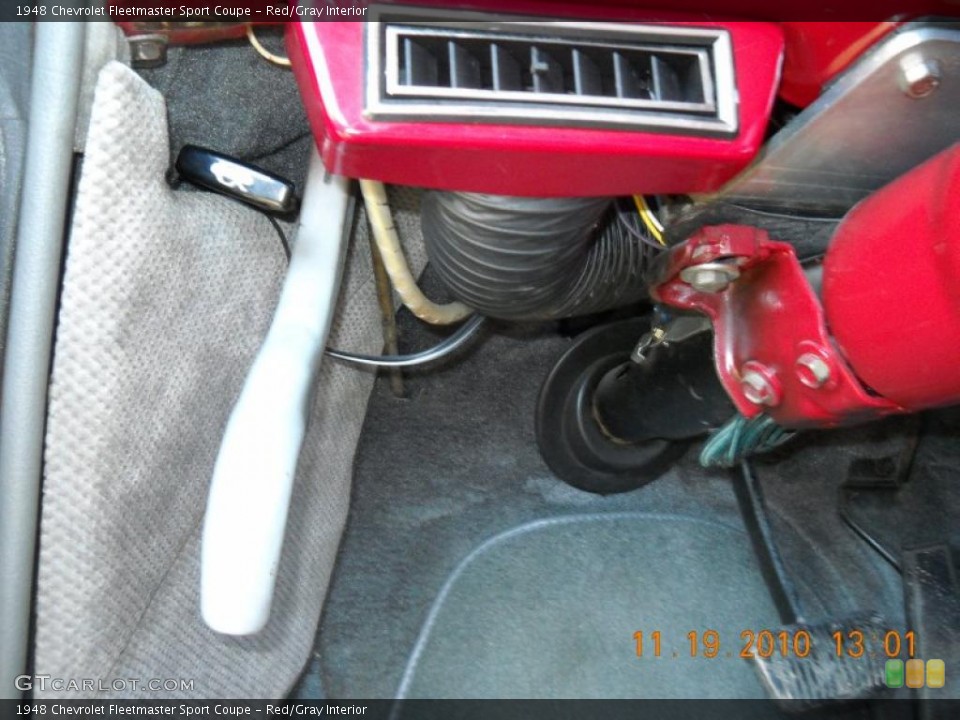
(758, 389)
(710, 277)
(919, 77)
(812, 370)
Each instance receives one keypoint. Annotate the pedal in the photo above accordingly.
(814, 673)
(824, 676)
(932, 594)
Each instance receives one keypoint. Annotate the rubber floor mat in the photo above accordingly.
(550, 610)
(454, 467)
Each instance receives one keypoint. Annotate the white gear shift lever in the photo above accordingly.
(253, 478)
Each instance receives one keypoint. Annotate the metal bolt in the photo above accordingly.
(710, 277)
(812, 370)
(758, 388)
(649, 340)
(919, 77)
(148, 51)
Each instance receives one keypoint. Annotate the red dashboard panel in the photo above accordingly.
(328, 59)
(818, 51)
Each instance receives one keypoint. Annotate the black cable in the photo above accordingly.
(283, 236)
(423, 357)
(869, 539)
(174, 180)
(785, 216)
(278, 148)
(626, 217)
(756, 518)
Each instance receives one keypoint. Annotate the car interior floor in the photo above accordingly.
(468, 570)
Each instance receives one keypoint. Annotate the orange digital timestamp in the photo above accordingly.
(853, 643)
(783, 643)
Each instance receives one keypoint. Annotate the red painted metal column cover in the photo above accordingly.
(891, 286)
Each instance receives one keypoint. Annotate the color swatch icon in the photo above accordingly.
(894, 673)
(914, 673)
(936, 673)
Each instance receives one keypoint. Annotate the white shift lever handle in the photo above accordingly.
(253, 478)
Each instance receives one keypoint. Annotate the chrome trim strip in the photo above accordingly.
(388, 99)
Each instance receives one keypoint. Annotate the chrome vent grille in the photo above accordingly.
(675, 79)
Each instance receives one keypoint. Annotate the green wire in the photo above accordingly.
(740, 438)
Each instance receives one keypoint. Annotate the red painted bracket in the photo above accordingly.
(773, 352)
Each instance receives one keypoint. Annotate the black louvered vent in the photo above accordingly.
(539, 67)
(677, 79)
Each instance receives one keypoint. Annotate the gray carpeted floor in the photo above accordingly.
(456, 464)
(550, 609)
(216, 97)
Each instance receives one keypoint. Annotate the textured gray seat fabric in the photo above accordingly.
(167, 296)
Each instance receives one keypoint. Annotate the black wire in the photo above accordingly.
(626, 221)
(175, 181)
(869, 539)
(278, 148)
(757, 520)
(785, 216)
(283, 236)
(422, 357)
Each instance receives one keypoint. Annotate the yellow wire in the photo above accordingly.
(649, 219)
(264, 53)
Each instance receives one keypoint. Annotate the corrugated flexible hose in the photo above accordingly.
(532, 258)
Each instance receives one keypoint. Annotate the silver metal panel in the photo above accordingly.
(388, 99)
(56, 74)
(864, 131)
